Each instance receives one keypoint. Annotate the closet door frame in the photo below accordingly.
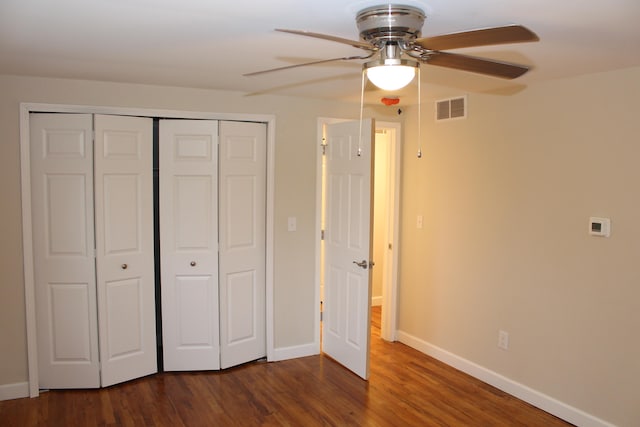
(27, 232)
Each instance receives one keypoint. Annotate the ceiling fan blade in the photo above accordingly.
(477, 65)
(482, 37)
(322, 61)
(354, 43)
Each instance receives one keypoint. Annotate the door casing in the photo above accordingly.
(27, 232)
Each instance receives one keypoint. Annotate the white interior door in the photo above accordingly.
(124, 250)
(347, 289)
(189, 244)
(242, 228)
(63, 243)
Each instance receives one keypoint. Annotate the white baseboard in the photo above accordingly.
(14, 391)
(293, 352)
(521, 391)
(376, 301)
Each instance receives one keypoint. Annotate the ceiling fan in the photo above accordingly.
(392, 32)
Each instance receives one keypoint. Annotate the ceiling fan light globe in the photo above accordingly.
(391, 77)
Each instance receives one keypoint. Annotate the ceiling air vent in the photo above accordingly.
(452, 108)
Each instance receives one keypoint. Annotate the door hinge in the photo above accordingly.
(324, 147)
(321, 234)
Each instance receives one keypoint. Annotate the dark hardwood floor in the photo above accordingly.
(406, 388)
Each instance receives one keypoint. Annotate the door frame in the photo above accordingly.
(27, 232)
(388, 329)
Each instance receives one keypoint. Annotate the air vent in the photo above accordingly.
(452, 108)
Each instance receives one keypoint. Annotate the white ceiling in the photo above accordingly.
(211, 43)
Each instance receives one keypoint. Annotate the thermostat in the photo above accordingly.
(599, 226)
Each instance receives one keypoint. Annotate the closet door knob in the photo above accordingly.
(192, 263)
(124, 266)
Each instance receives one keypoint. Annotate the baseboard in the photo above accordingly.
(376, 301)
(14, 391)
(529, 395)
(293, 352)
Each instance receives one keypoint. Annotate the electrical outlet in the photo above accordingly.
(503, 340)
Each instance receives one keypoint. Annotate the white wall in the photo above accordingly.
(506, 196)
(296, 147)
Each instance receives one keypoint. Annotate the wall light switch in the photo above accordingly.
(291, 223)
(419, 221)
(599, 226)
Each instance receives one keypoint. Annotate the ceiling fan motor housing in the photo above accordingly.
(389, 23)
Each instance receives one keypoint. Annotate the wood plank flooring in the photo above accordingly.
(406, 388)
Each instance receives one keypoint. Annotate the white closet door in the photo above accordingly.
(189, 244)
(63, 244)
(124, 235)
(242, 242)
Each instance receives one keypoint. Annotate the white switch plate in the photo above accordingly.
(419, 221)
(291, 223)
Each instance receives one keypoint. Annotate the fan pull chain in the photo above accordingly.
(361, 111)
(419, 118)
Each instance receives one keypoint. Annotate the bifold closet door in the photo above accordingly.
(61, 151)
(242, 228)
(213, 243)
(94, 279)
(124, 251)
(189, 244)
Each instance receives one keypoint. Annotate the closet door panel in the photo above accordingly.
(189, 244)
(123, 201)
(63, 244)
(125, 329)
(242, 242)
(125, 255)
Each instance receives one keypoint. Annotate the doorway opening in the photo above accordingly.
(385, 226)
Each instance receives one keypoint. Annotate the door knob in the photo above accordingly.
(192, 263)
(364, 264)
(124, 266)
